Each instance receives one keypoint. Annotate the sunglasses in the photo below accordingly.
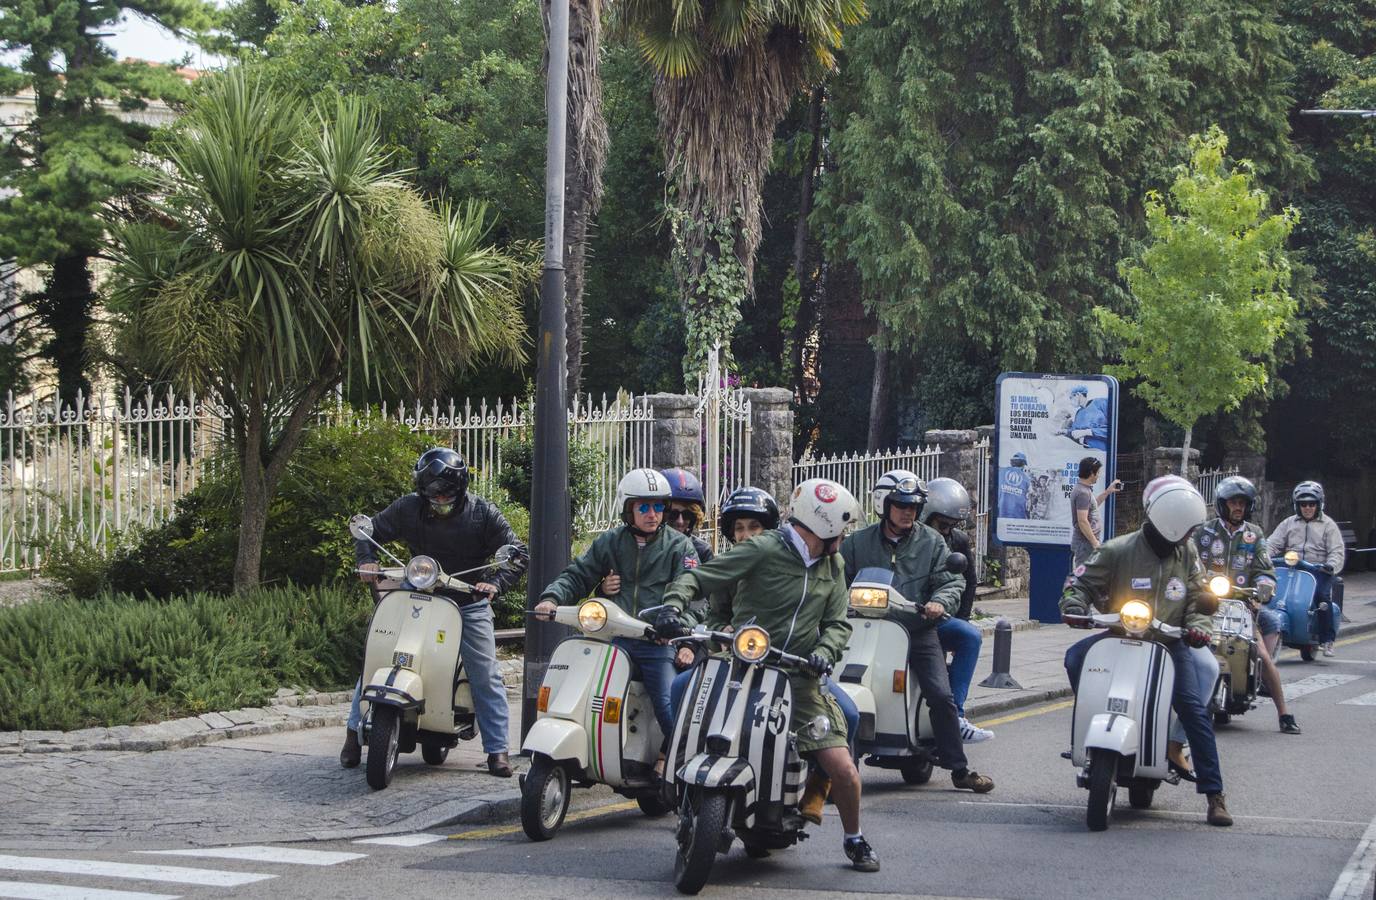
(644, 508)
(1309, 503)
(686, 515)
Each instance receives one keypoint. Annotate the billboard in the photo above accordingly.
(1045, 424)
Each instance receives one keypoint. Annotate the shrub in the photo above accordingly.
(518, 462)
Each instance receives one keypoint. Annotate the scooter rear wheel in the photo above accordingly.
(384, 744)
(1103, 791)
(1307, 652)
(699, 834)
(916, 769)
(544, 798)
(433, 752)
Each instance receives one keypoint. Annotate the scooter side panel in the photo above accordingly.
(642, 743)
(1130, 678)
(1295, 590)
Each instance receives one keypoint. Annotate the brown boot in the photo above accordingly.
(1218, 810)
(814, 795)
(352, 753)
(499, 764)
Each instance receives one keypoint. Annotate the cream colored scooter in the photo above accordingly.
(596, 723)
(414, 684)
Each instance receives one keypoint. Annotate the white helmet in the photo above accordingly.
(641, 484)
(1173, 506)
(898, 485)
(824, 507)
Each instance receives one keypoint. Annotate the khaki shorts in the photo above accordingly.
(809, 702)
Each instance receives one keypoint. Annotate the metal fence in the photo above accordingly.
(724, 454)
(1207, 482)
(982, 502)
(858, 472)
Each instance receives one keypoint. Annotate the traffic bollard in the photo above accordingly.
(1003, 658)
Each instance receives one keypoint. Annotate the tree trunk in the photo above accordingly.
(879, 400)
(1185, 452)
(803, 270)
(253, 517)
(65, 308)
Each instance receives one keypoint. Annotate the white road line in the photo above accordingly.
(1363, 700)
(1154, 813)
(28, 890)
(287, 855)
(403, 840)
(176, 874)
(1352, 881)
(1314, 683)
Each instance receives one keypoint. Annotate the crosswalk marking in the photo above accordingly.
(1363, 700)
(1314, 683)
(176, 874)
(287, 855)
(403, 840)
(27, 890)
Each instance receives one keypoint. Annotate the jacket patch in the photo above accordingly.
(1141, 584)
(690, 562)
(1175, 590)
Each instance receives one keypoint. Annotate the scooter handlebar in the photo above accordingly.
(724, 637)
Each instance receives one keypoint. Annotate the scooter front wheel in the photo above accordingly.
(699, 833)
(544, 798)
(384, 744)
(1103, 791)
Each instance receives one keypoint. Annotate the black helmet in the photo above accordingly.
(441, 471)
(1231, 488)
(747, 503)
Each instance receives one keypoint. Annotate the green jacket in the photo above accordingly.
(803, 609)
(1126, 568)
(645, 571)
(918, 563)
(1241, 555)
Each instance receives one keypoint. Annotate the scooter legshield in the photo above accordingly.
(874, 664)
(1130, 679)
(588, 682)
(1295, 589)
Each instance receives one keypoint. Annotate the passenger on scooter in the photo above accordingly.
(461, 531)
(791, 583)
(647, 557)
(916, 554)
(1319, 541)
(1234, 547)
(947, 507)
(687, 507)
(1160, 566)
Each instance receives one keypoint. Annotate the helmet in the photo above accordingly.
(1231, 488)
(1019, 459)
(441, 471)
(898, 485)
(1307, 490)
(640, 484)
(747, 503)
(824, 508)
(946, 497)
(1079, 389)
(685, 486)
(1173, 507)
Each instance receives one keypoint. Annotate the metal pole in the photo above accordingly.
(549, 507)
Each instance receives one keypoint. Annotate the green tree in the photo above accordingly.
(77, 150)
(284, 253)
(1212, 291)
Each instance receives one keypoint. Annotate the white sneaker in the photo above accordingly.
(973, 734)
(1328, 649)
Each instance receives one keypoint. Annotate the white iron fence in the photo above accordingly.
(1207, 482)
(857, 472)
(981, 495)
(724, 454)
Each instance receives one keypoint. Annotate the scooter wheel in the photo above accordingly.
(653, 805)
(698, 838)
(1307, 652)
(916, 770)
(1222, 718)
(1103, 791)
(544, 798)
(384, 744)
(1141, 792)
(433, 752)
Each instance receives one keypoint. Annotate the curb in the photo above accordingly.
(490, 809)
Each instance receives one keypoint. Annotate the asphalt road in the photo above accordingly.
(1302, 806)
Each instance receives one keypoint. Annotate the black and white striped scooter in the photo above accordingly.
(737, 772)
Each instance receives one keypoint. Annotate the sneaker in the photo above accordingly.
(973, 781)
(973, 734)
(1288, 725)
(1328, 649)
(1218, 811)
(861, 855)
(352, 753)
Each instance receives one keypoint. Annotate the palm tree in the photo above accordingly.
(281, 254)
(725, 74)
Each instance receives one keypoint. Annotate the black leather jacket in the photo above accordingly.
(959, 542)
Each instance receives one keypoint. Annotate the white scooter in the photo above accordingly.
(596, 722)
(1123, 710)
(414, 682)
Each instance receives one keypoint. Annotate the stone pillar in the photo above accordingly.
(958, 457)
(771, 440)
(677, 433)
(1166, 461)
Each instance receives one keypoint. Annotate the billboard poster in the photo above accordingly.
(1045, 424)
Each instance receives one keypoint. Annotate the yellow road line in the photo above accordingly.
(1025, 714)
(479, 834)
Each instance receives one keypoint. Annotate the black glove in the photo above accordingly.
(1196, 637)
(819, 664)
(1074, 607)
(669, 625)
(1327, 568)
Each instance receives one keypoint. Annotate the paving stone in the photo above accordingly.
(216, 720)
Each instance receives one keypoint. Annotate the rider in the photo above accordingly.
(648, 556)
(947, 507)
(791, 583)
(461, 531)
(687, 508)
(1235, 548)
(1318, 541)
(917, 555)
(1159, 565)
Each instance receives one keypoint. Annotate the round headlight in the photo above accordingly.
(751, 643)
(1135, 616)
(592, 616)
(1292, 557)
(1221, 586)
(422, 572)
(869, 598)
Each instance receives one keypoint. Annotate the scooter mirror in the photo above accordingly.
(361, 527)
(957, 563)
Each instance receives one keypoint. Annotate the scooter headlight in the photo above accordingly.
(1220, 585)
(592, 616)
(422, 572)
(1292, 557)
(1135, 616)
(751, 644)
(869, 598)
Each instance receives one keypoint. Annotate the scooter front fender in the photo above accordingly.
(559, 739)
(711, 771)
(396, 687)
(1111, 731)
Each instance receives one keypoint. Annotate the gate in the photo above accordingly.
(723, 461)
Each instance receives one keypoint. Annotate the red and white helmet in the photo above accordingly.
(824, 508)
(1173, 506)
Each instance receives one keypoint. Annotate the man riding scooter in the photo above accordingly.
(1159, 566)
(1319, 542)
(916, 554)
(461, 531)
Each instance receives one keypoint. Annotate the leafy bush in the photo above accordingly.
(117, 660)
(518, 462)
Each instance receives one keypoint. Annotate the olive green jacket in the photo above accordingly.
(763, 579)
(1126, 568)
(1241, 555)
(645, 571)
(918, 563)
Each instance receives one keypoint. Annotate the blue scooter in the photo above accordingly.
(1298, 585)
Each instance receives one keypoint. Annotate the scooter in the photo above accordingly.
(737, 771)
(415, 685)
(596, 723)
(895, 729)
(1234, 643)
(1297, 586)
(1122, 711)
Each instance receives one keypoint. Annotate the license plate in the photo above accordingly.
(1117, 704)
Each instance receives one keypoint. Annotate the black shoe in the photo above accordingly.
(1288, 725)
(499, 765)
(352, 753)
(1184, 773)
(861, 855)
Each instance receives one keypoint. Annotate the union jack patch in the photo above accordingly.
(690, 562)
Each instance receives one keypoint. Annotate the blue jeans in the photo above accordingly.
(478, 650)
(657, 671)
(962, 640)
(1189, 707)
(1204, 670)
(848, 708)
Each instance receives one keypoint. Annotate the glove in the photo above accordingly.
(1327, 568)
(669, 625)
(1074, 607)
(1196, 637)
(818, 664)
